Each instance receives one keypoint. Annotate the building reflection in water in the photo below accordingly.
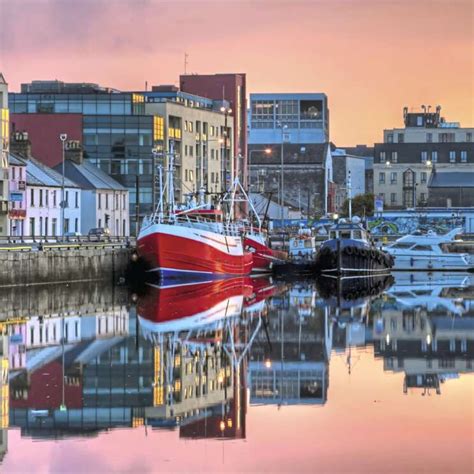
(424, 327)
(190, 358)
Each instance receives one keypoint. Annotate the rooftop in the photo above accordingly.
(58, 87)
(452, 179)
(38, 174)
(88, 176)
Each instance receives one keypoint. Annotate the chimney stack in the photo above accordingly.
(20, 144)
(73, 151)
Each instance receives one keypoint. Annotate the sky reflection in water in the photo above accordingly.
(241, 375)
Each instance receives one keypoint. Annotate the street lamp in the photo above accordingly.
(267, 151)
(63, 138)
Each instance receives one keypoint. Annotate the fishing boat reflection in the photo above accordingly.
(201, 336)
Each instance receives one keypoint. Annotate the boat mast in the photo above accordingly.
(170, 184)
(349, 194)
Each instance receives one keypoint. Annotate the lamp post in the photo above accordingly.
(267, 151)
(63, 138)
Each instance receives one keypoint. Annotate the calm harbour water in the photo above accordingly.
(240, 375)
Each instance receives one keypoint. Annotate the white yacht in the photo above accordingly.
(428, 251)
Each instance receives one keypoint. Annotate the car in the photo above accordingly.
(99, 233)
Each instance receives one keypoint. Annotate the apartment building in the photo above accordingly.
(200, 132)
(405, 162)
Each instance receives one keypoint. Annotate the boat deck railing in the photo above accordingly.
(203, 223)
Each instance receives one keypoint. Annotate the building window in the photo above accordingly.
(46, 197)
(393, 198)
(429, 138)
(424, 156)
(100, 200)
(452, 157)
(446, 137)
(124, 205)
(76, 225)
(390, 138)
(40, 198)
(186, 175)
(382, 178)
(32, 197)
(66, 204)
(469, 136)
(77, 198)
(394, 157)
(190, 126)
(463, 156)
(423, 177)
(401, 138)
(106, 201)
(393, 178)
(423, 197)
(185, 125)
(434, 156)
(191, 175)
(382, 157)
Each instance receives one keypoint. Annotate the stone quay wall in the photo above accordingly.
(89, 297)
(55, 266)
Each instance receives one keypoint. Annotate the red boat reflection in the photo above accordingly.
(182, 307)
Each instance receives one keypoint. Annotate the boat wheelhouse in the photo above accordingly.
(350, 250)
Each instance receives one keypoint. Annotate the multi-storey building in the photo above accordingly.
(196, 128)
(117, 135)
(405, 161)
(104, 200)
(4, 136)
(295, 126)
(17, 206)
(348, 175)
(231, 90)
(44, 193)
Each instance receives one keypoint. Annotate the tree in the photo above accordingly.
(362, 205)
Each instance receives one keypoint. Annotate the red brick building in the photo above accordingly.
(44, 130)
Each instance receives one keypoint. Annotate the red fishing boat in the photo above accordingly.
(195, 243)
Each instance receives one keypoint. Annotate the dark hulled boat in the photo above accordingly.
(350, 251)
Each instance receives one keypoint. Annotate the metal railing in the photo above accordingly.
(13, 243)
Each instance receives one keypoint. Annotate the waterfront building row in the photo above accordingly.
(128, 134)
(43, 202)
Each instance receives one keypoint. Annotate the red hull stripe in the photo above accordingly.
(180, 253)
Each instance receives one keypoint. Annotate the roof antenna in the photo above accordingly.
(186, 56)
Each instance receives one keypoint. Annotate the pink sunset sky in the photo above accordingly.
(371, 57)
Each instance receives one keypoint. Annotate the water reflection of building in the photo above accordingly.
(202, 347)
(427, 339)
(189, 380)
(4, 395)
(289, 360)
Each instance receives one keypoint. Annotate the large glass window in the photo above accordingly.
(263, 113)
(311, 110)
